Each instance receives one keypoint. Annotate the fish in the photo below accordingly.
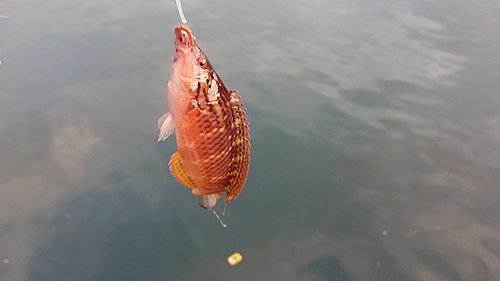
(210, 124)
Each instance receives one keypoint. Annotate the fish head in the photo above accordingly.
(191, 66)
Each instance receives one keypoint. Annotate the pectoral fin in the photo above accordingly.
(166, 126)
(178, 171)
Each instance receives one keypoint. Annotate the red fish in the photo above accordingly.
(210, 125)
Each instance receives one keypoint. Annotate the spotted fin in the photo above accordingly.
(242, 146)
(166, 126)
(178, 171)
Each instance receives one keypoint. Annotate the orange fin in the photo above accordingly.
(242, 159)
(178, 171)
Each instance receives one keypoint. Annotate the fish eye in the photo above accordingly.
(202, 63)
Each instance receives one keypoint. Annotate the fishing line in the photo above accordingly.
(223, 213)
(181, 13)
(217, 216)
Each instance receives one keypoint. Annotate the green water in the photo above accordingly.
(375, 141)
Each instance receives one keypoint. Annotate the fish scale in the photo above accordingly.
(222, 169)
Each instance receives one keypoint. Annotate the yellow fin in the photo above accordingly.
(178, 171)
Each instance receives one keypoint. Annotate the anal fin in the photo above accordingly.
(178, 171)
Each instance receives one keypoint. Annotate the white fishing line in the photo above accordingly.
(181, 13)
(217, 216)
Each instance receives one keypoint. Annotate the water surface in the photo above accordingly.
(375, 141)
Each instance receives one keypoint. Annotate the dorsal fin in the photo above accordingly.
(242, 147)
(177, 169)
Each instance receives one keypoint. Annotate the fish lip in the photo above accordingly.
(184, 38)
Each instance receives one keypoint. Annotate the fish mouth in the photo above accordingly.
(184, 38)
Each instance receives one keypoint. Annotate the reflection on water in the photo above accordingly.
(375, 141)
